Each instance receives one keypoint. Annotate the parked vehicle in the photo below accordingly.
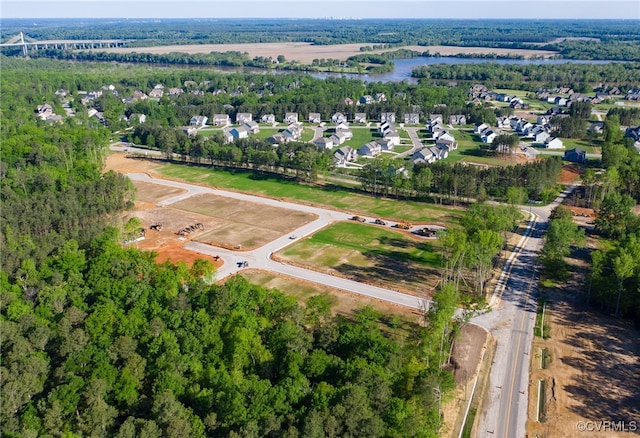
(358, 219)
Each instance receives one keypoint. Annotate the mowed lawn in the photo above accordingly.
(371, 254)
(330, 196)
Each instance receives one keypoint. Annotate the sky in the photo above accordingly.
(525, 9)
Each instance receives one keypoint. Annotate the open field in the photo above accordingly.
(307, 52)
(370, 254)
(342, 303)
(330, 196)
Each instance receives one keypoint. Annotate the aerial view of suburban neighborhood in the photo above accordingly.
(320, 227)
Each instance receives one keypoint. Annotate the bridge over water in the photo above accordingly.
(29, 44)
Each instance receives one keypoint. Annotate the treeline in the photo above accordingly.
(299, 159)
(104, 342)
(458, 182)
(614, 280)
(532, 76)
(610, 39)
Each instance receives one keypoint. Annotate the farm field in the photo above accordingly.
(307, 52)
(370, 254)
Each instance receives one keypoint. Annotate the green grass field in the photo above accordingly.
(331, 196)
(370, 253)
(469, 149)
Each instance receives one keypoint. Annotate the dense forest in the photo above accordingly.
(606, 39)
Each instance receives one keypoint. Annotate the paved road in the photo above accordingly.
(511, 323)
(260, 258)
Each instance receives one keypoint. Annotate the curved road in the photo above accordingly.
(511, 321)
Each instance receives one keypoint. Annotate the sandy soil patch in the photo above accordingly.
(569, 175)
(307, 52)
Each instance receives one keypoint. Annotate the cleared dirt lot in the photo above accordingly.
(593, 372)
(307, 52)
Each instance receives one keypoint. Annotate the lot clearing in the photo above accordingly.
(590, 367)
(307, 52)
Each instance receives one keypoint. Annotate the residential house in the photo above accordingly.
(43, 111)
(575, 155)
(543, 120)
(324, 142)
(388, 117)
(339, 137)
(503, 122)
(349, 101)
(198, 121)
(239, 132)
(338, 118)
(360, 118)
(411, 118)
(226, 135)
(380, 97)
(553, 143)
(290, 118)
(62, 93)
(221, 120)
(529, 152)
(175, 92)
(139, 95)
(560, 101)
(443, 135)
(386, 144)
(479, 127)
(424, 156)
(366, 100)
(541, 137)
(242, 118)
(371, 149)
(268, 118)
(190, 131)
(487, 136)
(596, 127)
(436, 118)
(633, 132)
(523, 127)
(345, 155)
(314, 118)
(293, 132)
(277, 139)
(252, 127)
(157, 92)
(342, 125)
(449, 145)
(137, 119)
(457, 119)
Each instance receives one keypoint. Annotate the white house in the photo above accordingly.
(291, 118)
(371, 149)
(541, 137)
(338, 118)
(345, 155)
(388, 117)
(221, 120)
(239, 132)
(553, 143)
(360, 118)
(324, 142)
(314, 118)
(252, 127)
(268, 118)
(242, 118)
(198, 121)
(411, 118)
(488, 136)
(422, 156)
(479, 127)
